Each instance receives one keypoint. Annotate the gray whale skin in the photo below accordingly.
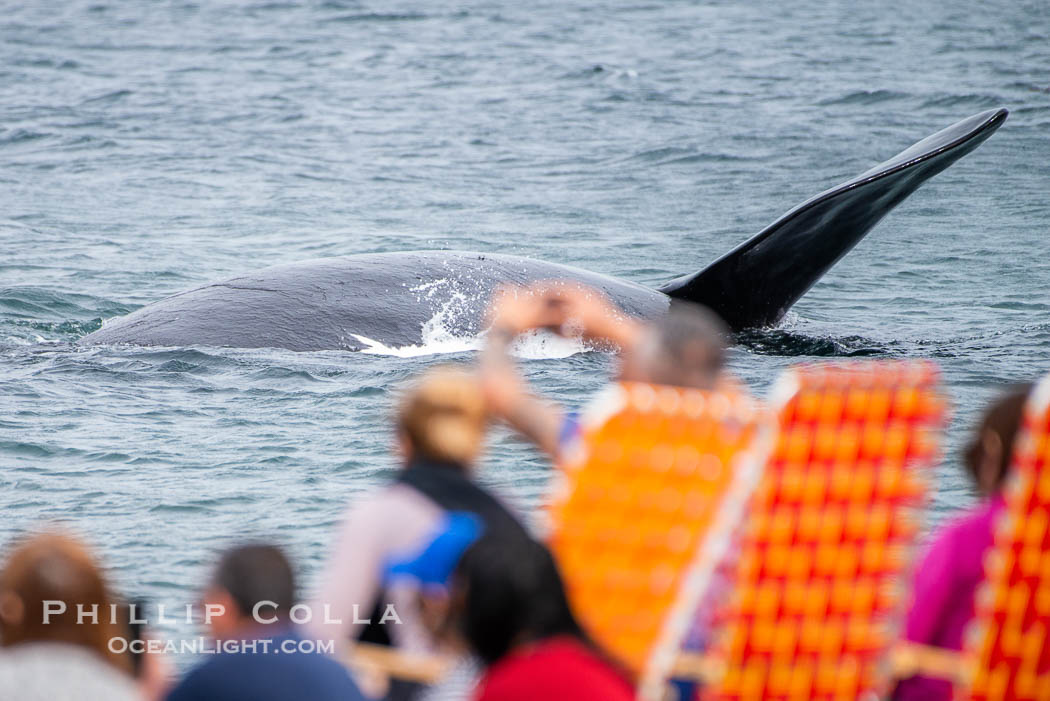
(334, 303)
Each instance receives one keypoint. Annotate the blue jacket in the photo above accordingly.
(270, 673)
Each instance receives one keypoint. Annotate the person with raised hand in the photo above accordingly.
(441, 425)
(686, 348)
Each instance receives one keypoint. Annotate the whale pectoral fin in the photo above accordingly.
(757, 282)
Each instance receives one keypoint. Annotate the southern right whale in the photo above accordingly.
(389, 298)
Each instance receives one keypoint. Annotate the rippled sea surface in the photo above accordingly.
(148, 147)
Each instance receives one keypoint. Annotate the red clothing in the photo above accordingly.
(557, 668)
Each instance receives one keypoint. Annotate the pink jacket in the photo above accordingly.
(943, 593)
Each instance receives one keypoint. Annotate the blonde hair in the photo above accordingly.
(443, 415)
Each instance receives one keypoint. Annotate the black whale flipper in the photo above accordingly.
(757, 282)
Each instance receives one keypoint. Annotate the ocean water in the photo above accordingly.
(148, 147)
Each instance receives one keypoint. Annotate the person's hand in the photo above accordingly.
(516, 309)
(583, 310)
(588, 312)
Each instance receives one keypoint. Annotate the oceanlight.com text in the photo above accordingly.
(207, 646)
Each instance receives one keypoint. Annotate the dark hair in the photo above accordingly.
(513, 594)
(690, 346)
(1002, 417)
(256, 572)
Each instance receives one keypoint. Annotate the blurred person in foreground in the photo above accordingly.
(686, 348)
(948, 575)
(508, 607)
(441, 426)
(261, 656)
(51, 649)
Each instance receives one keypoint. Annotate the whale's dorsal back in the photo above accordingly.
(758, 281)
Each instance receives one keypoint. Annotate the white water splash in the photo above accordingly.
(439, 337)
(438, 341)
(433, 346)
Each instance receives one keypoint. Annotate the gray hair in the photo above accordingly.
(686, 347)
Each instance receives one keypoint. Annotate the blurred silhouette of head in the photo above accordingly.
(686, 347)
(988, 456)
(507, 591)
(442, 417)
(52, 590)
(254, 585)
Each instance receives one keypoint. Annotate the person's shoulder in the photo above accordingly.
(570, 650)
(974, 526)
(60, 670)
(504, 681)
(391, 501)
(313, 664)
(328, 666)
(396, 516)
(281, 675)
(957, 547)
(558, 666)
(203, 681)
(329, 678)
